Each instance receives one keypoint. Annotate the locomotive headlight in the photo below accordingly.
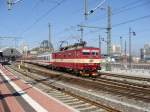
(91, 60)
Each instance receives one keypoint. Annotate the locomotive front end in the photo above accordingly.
(91, 63)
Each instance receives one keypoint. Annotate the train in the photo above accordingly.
(77, 58)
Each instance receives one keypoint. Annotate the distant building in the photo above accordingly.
(142, 54)
(46, 46)
(116, 50)
(145, 53)
(43, 47)
(135, 59)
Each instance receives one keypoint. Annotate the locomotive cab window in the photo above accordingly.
(94, 53)
(86, 52)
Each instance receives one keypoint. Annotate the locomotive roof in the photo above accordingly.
(86, 47)
(75, 46)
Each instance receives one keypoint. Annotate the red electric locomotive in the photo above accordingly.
(78, 58)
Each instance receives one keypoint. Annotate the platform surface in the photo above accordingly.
(17, 96)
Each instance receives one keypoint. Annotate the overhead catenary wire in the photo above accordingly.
(44, 15)
(139, 32)
(129, 6)
(125, 22)
(36, 4)
(72, 15)
(131, 20)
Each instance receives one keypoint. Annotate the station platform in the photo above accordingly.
(17, 96)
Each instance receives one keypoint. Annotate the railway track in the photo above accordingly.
(124, 89)
(124, 81)
(80, 103)
(125, 76)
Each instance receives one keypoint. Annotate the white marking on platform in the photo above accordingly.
(74, 110)
(26, 97)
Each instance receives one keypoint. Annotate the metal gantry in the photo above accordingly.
(51, 48)
(81, 29)
(15, 38)
(130, 47)
(109, 27)
(121, 46)
(86, 26)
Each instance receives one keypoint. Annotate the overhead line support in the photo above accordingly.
(109, 28)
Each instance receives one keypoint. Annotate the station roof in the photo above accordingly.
(9, 52)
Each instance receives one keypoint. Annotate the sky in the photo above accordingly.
(28, 21)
